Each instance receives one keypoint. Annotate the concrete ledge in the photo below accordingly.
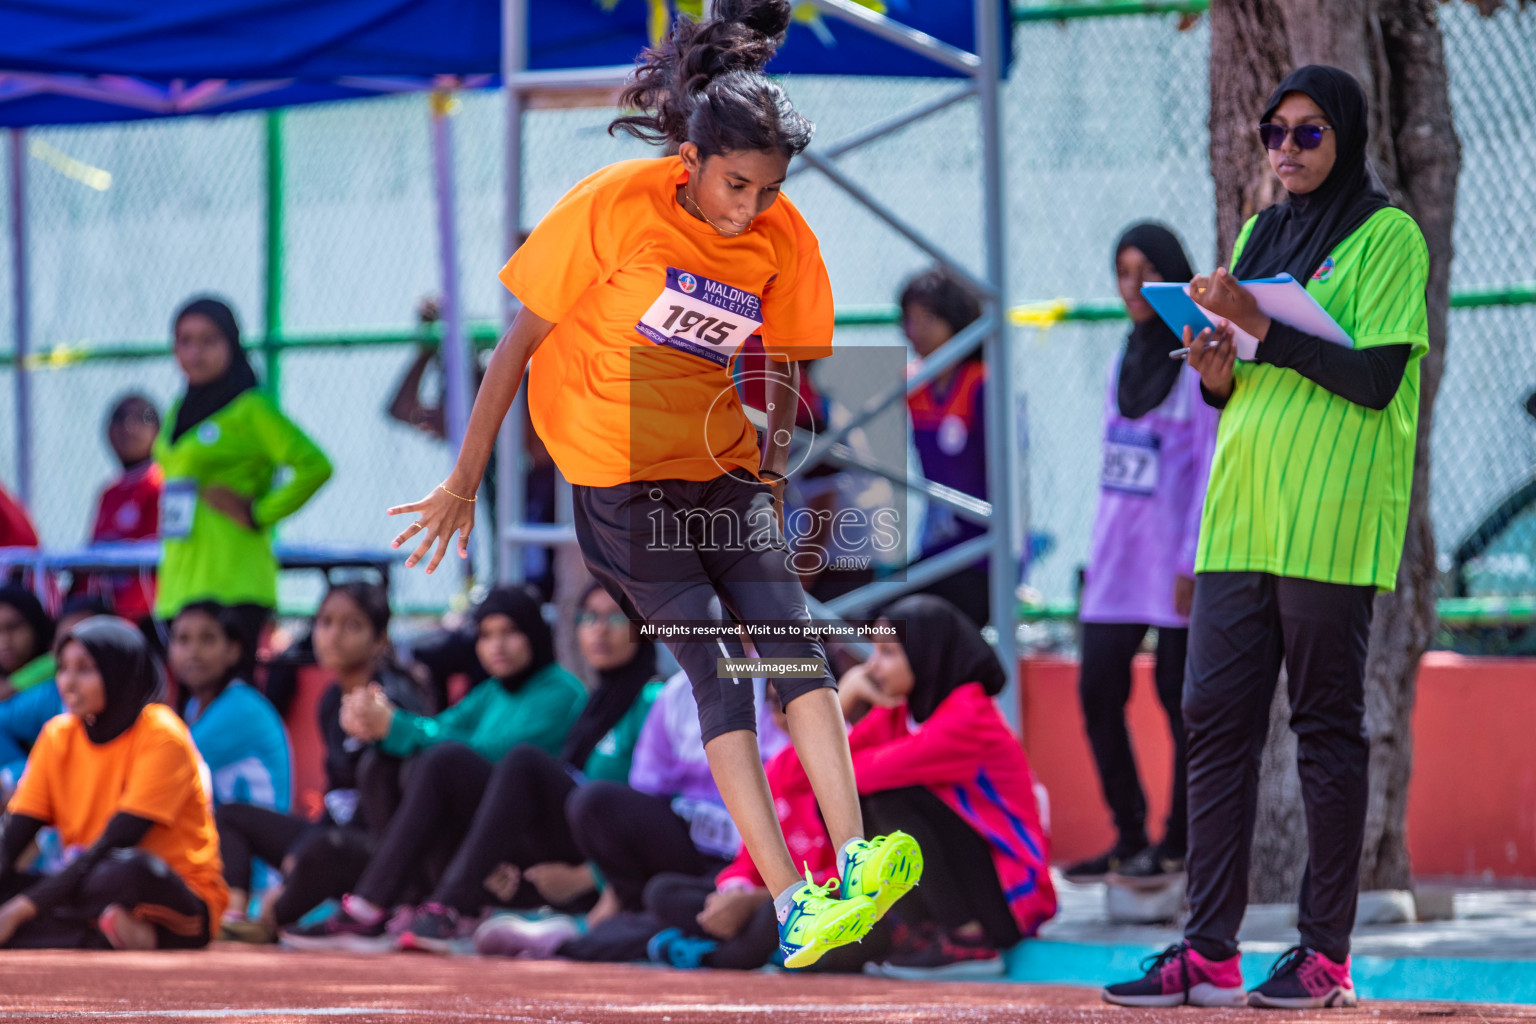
(1454, 979)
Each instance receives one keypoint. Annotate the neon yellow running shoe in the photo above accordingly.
(818, 921)
(884, 869)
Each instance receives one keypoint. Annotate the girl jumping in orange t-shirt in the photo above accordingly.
(638, 289)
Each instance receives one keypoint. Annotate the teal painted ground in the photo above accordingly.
(1459, 979)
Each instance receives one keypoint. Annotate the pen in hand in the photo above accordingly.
(1183, 353)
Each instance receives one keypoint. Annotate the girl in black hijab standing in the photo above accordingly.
(1158, 437)
(222, 448)
(1305, 515)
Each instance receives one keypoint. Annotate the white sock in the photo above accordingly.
(842, 856)
(786, 899)
(361, 910)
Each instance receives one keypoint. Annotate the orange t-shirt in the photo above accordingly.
(650, 306)
(152, 771)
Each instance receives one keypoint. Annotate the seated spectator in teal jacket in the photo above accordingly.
(237, 731)
(528, 699)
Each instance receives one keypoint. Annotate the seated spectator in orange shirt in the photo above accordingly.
(120, 780)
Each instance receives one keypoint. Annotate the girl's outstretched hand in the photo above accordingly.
(442, 515)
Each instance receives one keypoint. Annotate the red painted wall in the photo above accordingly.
(1472, 803)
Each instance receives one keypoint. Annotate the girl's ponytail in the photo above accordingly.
(704, 84)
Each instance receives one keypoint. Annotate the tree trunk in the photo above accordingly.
(1395, 50)
(1428, 164)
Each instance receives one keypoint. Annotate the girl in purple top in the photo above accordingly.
(948, 429)
(1158, 439)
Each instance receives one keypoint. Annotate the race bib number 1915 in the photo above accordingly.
(701, 317)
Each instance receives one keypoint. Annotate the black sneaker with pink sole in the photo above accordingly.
(432, 929)
(1304, 979)
(936, 953)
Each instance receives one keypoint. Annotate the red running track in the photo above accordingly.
(241, 985)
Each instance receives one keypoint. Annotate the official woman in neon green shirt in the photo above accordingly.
(223, 448)
(1304, 522)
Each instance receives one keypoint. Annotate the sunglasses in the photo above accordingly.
(1308, 136)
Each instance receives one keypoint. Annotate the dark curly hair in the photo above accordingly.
(371, 599)
(704, 84)
(944, 295)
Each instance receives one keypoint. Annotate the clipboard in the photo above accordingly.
(1280, 298)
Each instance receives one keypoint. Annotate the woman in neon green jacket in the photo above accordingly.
(222, 449)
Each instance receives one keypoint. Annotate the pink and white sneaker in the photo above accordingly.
(1304, 979)
(1179, 976)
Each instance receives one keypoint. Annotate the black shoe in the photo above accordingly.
(432, 930)
(1096, 869)
(1149, 869)
(1304, 979)
(1180, 976)
(938, 953)
(338, 930)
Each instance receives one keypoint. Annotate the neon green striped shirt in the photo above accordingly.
(1305, 483)
(242, 447)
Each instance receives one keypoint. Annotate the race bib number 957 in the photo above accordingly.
(702, 317)
(1131, 460)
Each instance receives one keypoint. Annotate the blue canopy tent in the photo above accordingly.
(106, 60)
(109, 60)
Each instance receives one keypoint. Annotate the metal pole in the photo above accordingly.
(1006, 533)
(273, 299)
(458, 384)
(511, 487)
(894, 31)
(23, 327)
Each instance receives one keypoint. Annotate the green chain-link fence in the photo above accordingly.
(1105, 123)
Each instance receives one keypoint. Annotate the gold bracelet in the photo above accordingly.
(459, 496)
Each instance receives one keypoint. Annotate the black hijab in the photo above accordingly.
(129, 673)
(945, 650)
(523, 609)
(617, 690)
(1147, 375)
(1295, 236)
(30, 608)
(203, 400)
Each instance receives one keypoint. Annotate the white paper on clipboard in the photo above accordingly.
(1282, 298)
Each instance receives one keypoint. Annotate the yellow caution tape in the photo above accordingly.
(59, 357)
(1042, 315)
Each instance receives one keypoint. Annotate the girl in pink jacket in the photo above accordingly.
(934, 757)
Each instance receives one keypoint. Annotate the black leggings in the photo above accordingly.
(445, 785)
(521, 821)
(960, 883)
(690, 551)
(131, 878)
(632, 837)
(1244, 625)
(320, 861)
(1105, 686)
(381, 781)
